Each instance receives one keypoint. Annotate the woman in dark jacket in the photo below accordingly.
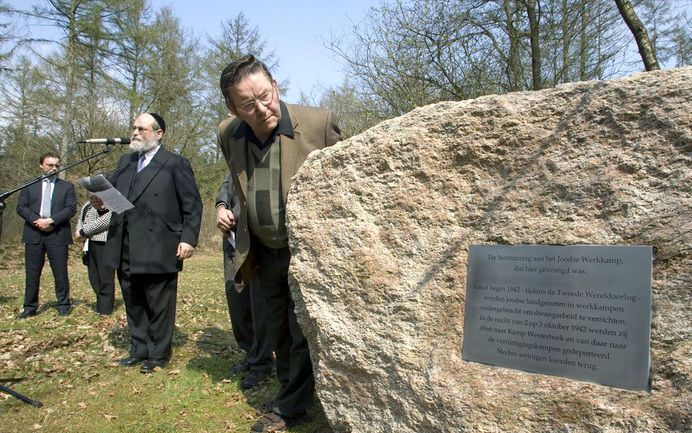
(93, 228)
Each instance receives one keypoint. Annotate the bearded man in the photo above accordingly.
(147, 244)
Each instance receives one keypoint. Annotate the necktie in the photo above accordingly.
(140, 162)
(45, 202)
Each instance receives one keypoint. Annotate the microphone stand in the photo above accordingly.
(25, 399)
(4, 195)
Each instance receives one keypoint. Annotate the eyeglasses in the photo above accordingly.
(140, 129)
(265, 99)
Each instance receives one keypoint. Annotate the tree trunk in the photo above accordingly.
(564, 72)
(535, 45)
(70, 85)
(583, 44)
(513, 59)
(640, 34)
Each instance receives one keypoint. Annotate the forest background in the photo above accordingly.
(115, 58)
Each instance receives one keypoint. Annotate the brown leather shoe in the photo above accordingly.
(273, 422)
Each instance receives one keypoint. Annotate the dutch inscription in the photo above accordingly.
(578, 311)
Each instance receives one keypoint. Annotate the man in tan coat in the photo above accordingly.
(264, 145)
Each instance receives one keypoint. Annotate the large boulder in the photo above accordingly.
(381, 223)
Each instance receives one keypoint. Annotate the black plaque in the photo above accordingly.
(582, 312)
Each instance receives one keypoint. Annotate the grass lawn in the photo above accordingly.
(69, 364)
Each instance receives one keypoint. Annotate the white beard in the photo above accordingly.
(143, 145)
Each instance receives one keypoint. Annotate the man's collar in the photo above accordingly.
(151, 152)
(285, 126)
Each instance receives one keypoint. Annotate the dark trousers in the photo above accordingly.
(34, 259)
(249, 323)
(248, 313)
(150, 301)
(293, 365)
(102, 279)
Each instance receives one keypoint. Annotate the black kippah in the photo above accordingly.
(159, 120)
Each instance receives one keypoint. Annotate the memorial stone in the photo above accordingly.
(380, 227)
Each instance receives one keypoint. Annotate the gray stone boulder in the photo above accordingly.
(381, 223)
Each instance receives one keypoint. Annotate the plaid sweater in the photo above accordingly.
(94, 226)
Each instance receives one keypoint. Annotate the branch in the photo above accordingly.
(641, 36)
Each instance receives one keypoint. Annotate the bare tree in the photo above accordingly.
(410, 53)
(533, 18)
(669, 31)
(641, 36)
(7, 36)
(350, 109)
(514, 35)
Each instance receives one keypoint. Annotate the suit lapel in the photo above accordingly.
(36, 190)
(57, 190)
(128, 176)
(238, 149)
(145, 176)
(289, 157)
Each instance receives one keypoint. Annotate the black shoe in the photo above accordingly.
(26, 313)
(266, 407)
(150, 365)
(64, 312)
(131, 361)
(254, 379)
(240, 367)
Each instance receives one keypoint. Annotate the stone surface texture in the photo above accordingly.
(380, 226)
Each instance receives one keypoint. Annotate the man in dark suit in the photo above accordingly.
(47, 207)
(147, 244)
(246, 308)
(264, 145)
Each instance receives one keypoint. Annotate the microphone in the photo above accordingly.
(119, 140)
